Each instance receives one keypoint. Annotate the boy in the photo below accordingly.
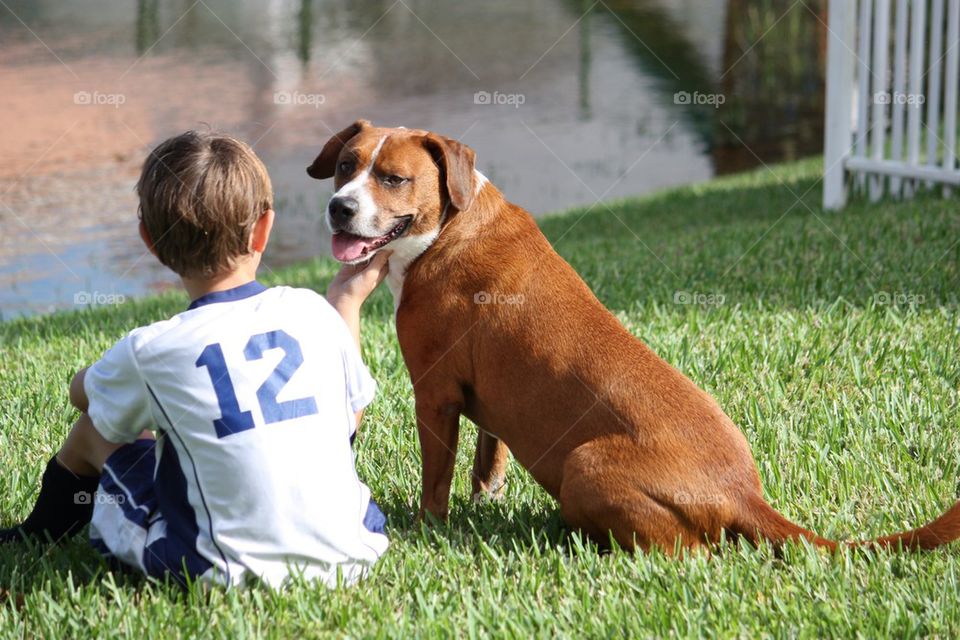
(254, 395)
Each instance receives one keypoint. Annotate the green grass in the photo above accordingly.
(849, 403)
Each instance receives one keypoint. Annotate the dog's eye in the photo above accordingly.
(345, 167)
(393, 181)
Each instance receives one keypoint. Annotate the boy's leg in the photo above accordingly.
(69, 483)
(85, 451)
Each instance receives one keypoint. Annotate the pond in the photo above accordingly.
(566, 102)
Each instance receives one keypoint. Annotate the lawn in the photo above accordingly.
(832, 339)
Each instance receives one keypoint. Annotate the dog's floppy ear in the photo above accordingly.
(457, 162)
(325, 164)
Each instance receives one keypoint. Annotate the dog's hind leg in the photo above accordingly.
(600, 500)
(490, 467)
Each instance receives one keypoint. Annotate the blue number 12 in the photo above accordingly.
(232, 420)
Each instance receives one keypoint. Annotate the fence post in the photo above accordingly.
(838, 131)
(878, 112)
(950, 106)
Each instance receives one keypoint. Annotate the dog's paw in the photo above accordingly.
(492, 491)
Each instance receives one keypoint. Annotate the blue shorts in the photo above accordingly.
(128, 528)
(127, 525)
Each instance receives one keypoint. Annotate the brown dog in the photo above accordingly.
(494, 325)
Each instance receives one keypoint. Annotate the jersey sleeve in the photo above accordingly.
(118, 403)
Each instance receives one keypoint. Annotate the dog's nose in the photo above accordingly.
(342, 209)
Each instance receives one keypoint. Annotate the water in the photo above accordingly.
(565, 103)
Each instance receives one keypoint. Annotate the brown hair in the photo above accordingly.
(200, 195)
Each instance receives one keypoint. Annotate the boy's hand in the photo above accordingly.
(355, 282)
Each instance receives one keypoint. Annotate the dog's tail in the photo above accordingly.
(760, 521)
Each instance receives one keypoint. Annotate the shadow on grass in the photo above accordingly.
(503, 523)
(28, 567)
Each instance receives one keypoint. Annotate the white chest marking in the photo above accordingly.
(405, 250)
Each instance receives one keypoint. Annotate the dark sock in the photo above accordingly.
(63, 508)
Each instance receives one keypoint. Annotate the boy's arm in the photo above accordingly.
(78, 395)
(351, 287)
(351, 316)
(350, 312)
(113, 395)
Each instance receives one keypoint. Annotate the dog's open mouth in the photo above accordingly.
(348, 247)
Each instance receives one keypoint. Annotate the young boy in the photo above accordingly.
(254, 395)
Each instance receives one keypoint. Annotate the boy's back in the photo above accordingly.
(254, 393)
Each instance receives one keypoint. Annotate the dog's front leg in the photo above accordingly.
(438, 424)
(489, 467)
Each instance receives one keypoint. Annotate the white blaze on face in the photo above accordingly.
(364, 223)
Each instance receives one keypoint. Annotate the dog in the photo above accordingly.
(494, 325)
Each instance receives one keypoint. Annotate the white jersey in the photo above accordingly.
(252, 393)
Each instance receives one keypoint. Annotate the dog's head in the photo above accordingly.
(392, 186)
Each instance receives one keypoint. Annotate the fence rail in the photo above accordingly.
(903, 82)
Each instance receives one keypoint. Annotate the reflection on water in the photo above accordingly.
(565, 101)
(775, 89)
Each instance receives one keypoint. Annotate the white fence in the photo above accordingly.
(878, 85)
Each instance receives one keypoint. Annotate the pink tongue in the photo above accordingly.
(348, 247)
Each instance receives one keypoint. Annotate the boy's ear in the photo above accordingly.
(260, 233)
(147, 240)
(325, 164)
